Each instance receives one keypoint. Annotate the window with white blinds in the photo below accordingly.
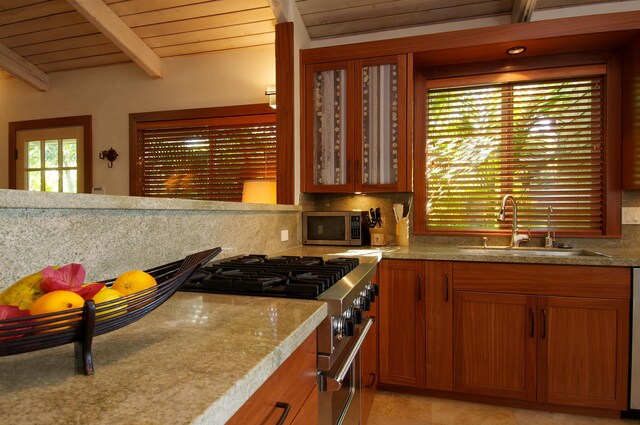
(205, 158)
(540, 141)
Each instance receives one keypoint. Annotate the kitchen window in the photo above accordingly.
(203, 157)
(547, 137)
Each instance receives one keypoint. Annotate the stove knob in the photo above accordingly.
(368, 293)
(349, 327)
(339, 325)
(363, 303)
(357, 316)
(373, 287)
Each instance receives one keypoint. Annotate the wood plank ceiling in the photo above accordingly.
(42, 36)
(331, 18)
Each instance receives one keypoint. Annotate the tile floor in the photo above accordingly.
(407, 409)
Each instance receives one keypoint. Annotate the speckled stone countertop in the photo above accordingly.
(194, 360)
(614, 257)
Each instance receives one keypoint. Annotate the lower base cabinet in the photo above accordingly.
(292, 385)
(542, 334)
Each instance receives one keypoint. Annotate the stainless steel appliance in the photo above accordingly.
(335, 228)
(343, 283)
(634, 399)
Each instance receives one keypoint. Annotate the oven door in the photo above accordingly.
(340, 388)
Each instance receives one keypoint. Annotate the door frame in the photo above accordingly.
(83, 121)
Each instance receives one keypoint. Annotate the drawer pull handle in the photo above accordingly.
(348, 171)
(357, 171)
(446, 287)
(373, 381)
(419, 286)
(285, 413)
(544, 324)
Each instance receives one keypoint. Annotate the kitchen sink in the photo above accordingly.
(529, 251)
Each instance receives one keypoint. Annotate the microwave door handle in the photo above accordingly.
(334, 383)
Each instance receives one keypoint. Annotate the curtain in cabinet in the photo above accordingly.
(329, 127)
(380, 124)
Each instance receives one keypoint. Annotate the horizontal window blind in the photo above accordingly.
(541, 141)
(205, 159)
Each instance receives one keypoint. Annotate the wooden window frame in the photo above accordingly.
(140, 120)
(83, 121)
(611, 223)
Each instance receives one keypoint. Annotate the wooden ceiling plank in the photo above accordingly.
(218, 7)
(217, 45)
(52, 34)
(51, 7)
(351, 25)
(105, 19)
(131, 7)
(14, 4)
(452, 9)
(83, 52)
(211, 34)
(19, 67)
(522, 11)
(550, 4)
(64, 44)
(204, 23)
(109, 59)
(41, 24)
(314, 6)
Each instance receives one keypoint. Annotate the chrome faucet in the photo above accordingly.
(516, 239)
(549, 240)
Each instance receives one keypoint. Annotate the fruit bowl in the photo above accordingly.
(80, 325)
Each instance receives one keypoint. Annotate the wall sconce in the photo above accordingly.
(271, 92)
(109, 155)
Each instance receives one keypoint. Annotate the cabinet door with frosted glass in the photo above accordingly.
(328, 156)
(380, 105)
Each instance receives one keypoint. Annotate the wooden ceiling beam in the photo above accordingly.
(522, 10)
(104, 19)
(22, 69)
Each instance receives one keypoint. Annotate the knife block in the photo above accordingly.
(378, 236)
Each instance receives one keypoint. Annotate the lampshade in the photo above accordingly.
(259, 191)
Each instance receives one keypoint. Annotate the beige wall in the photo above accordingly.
(111, 93)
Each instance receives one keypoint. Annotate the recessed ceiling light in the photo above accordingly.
(516, 50)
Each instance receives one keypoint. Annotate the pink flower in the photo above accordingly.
(69, 278)
(11, 312)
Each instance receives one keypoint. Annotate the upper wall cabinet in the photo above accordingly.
(356, 126)
(631, 116)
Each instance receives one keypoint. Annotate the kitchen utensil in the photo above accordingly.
(378, 217)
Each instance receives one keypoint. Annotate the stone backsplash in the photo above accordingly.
(335, 202)
(112, 234)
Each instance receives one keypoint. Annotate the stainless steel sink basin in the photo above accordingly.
(529, 251)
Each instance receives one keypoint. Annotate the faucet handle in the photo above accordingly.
(484, 241)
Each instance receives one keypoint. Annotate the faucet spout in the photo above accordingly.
(516, 239)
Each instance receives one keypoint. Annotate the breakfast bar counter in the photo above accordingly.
(194, 360)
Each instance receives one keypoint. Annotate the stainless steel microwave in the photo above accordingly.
(335, 228)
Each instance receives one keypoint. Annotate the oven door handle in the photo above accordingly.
(334, 383)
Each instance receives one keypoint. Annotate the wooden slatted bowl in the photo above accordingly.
(80, 325)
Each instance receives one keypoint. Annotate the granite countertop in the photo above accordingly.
(614, 257)
(194, 360)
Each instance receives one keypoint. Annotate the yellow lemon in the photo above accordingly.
(55, 301)
(109, 294)
(133, 281)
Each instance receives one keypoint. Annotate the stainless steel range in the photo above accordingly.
(343, 283)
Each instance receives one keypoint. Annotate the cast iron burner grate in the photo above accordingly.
(283, 276)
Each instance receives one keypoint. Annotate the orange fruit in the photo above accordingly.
(133, 281)
(55, 301)
(109, 294)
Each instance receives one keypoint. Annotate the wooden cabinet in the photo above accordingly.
(416, 320)
(369, 368)
(402, 323)
(439, 325)
(495, 345)
(553, 334)
(294, 383)
(631, 115)
(355, 126)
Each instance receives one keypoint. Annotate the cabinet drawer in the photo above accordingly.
(292, 383)
(571, 281)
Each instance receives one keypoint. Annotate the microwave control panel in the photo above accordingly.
(355, 227)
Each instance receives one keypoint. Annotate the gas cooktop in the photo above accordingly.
(282, 276)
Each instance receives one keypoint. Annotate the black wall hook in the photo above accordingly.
(109, 155)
